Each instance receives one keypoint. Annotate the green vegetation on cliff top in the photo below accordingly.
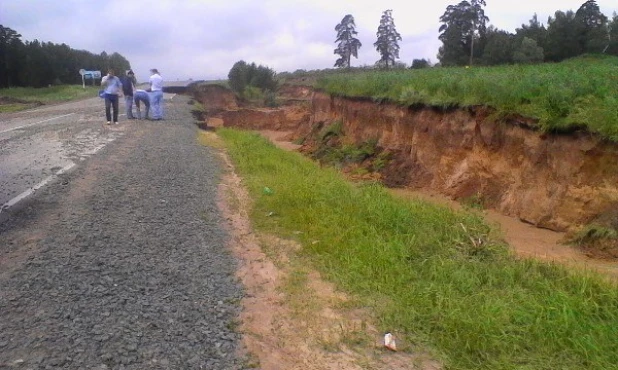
(577, 93)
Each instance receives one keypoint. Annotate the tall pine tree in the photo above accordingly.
(348, 44)
(388, 37)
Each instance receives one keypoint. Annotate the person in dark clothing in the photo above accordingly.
(128, 87)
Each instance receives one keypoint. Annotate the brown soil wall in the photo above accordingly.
(551, 181)
(287, 118)
(214, 97)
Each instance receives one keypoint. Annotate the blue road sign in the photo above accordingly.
(92, 74)
(89, 75)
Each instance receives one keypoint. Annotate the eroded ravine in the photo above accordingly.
(536, 187)
(524, 239)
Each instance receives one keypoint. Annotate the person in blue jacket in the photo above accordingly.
(141, 96)
(112, 88)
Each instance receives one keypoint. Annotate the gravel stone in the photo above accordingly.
(129, 268)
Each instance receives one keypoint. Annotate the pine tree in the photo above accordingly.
(388, 37)
(348, 44)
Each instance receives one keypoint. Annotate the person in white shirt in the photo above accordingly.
(156, 95)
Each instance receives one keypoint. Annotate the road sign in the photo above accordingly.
(90, 75)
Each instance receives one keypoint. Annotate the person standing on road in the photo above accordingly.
(141, 96)
(156, 94)
(112, 88)
(128, 86)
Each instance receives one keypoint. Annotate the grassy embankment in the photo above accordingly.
(577, 93)
(20, 98)
(429, 272)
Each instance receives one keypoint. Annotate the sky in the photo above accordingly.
(202, 39)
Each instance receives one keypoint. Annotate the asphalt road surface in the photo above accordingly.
(112, 250)
(38, 145)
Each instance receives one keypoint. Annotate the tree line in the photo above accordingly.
(39, 64)
(467, 39)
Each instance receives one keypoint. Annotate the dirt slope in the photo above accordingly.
(557, 182)
(551, 181)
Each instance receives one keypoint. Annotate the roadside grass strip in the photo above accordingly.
(13, 107)
(52, 94)
(441, 277)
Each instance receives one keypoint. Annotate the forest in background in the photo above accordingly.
(39, 64)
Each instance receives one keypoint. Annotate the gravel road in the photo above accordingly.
(122, 262)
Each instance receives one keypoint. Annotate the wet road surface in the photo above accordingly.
(40, 144)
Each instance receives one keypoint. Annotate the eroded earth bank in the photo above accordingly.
(551, 181)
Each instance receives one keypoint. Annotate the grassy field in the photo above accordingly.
(577, 93)
(440, 277)
(20, 98)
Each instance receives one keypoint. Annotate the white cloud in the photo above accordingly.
(204, 38)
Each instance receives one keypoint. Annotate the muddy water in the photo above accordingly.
(524, 239)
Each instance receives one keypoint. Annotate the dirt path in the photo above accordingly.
(524, 239)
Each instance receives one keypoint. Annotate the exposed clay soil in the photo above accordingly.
(557, 182)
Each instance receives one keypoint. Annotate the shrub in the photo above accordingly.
(237, 77)
(242, 75)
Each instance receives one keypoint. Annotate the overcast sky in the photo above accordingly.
(202, 39)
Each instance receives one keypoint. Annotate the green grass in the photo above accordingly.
(436, 275)
(13, 107)
(577, 93)
(53, 94)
